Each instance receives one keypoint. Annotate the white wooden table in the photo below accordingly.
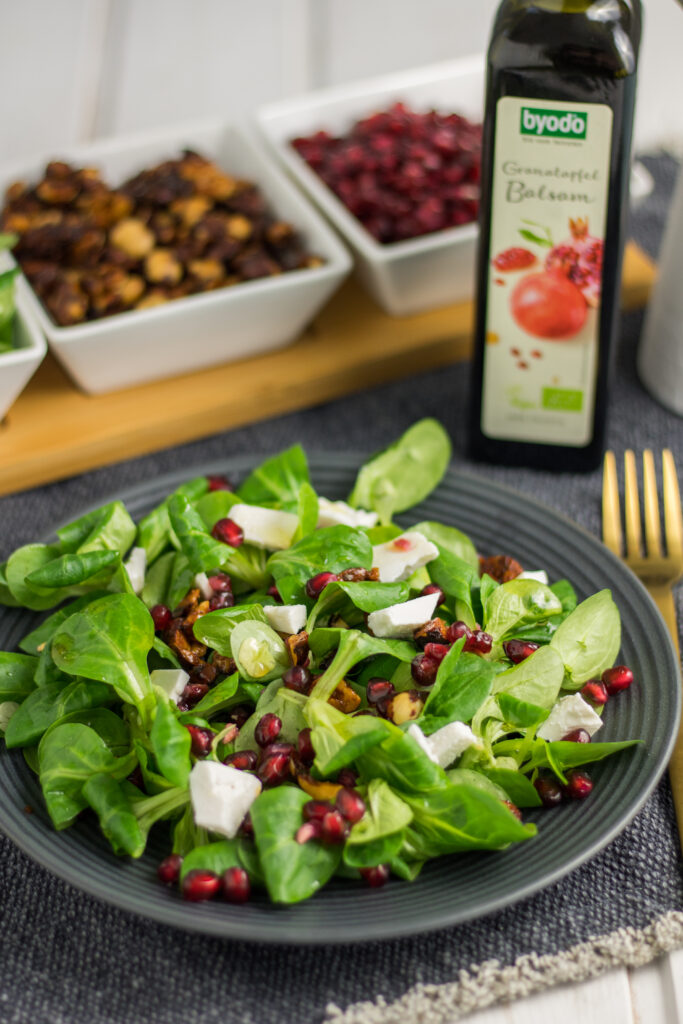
(647, 995)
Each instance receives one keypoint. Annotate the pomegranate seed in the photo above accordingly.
(479, 642)
(169, 869)
(617, 679)
(375, 877)
(162, 617)
(297, 678)
(515, 258)
(220, 583)
(402, 544)
(193, 693)
(224, 599)
(276, 748)
(316, 584)
(275, 593)
(595, 691)
(227, 531)
(433, 588)
(311, 829)
(347, 777)
(437, 652)
(316, 809)
(235, 885)
(456, 630)
(577, 736)
(333, 828)
(378, 690)
(578, 786)
(518, 650)
(548, 790)
(244, 760)
(267, 729)
(200, 885)
(274, 769)
(247, 826)
(239, 715)
(423, 670)
(219, 483)
(201, 740)
(350, 805)
(304, 746)
(513, 808)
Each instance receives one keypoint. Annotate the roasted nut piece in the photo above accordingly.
(191, 210)
(239, 227)
(209, 273)
(189, 602)
(204, 672)
(132, 237)
(67, 303)
(151, 299)
(190, 653)
(359, 575)
(57, 190)
(164, 227)
(161, 267)
(280, 234)
(404, 707)
(344, 698)
(297, 645)
(433, 632)
(256, 265)
(201, 609)
(318, 790)
(16, 191)
(130, 289)
(87, 249)
(104, 208)
(501, 568)
(224, 664)
(58, 169)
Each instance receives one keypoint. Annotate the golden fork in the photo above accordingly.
(658, 568)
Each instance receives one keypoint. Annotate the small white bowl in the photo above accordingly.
(403, 277)
(200, 330)
(18, 366)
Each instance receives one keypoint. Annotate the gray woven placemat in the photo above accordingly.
(68, 959)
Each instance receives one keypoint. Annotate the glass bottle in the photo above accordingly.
(561, 81)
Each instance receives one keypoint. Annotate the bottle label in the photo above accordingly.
(548, 213)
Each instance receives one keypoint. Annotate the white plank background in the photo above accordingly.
(75, 69)
(72, 70)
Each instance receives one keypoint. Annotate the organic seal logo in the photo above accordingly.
(567, 124)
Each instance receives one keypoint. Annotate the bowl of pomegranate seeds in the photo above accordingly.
(164, 253)
(394, 165)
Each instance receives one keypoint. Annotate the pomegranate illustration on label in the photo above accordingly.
(580, 259)
(548, 305)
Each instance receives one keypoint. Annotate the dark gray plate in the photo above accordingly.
(451, 889)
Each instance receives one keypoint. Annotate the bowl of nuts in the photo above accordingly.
(161, 254)
(393, 163)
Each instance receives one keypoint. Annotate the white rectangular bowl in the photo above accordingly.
(403, 277)
(18, 366)
(201, 330)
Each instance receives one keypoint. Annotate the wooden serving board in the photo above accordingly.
(53, 430)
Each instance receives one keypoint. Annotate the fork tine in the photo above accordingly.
(653, 529)
(673, 517)
(611, 517)
(631, 506)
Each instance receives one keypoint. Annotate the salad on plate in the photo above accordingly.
(297, 688)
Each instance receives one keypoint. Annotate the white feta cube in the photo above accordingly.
(539, 575)
(265, 527)
(338, 513)
(415, 731)
(450, 741)
(136, 566)
(570, 713)
(171, 680)
(201, 580)
(399, 558)
(401, 620)
(286, 618)
(221, 796)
